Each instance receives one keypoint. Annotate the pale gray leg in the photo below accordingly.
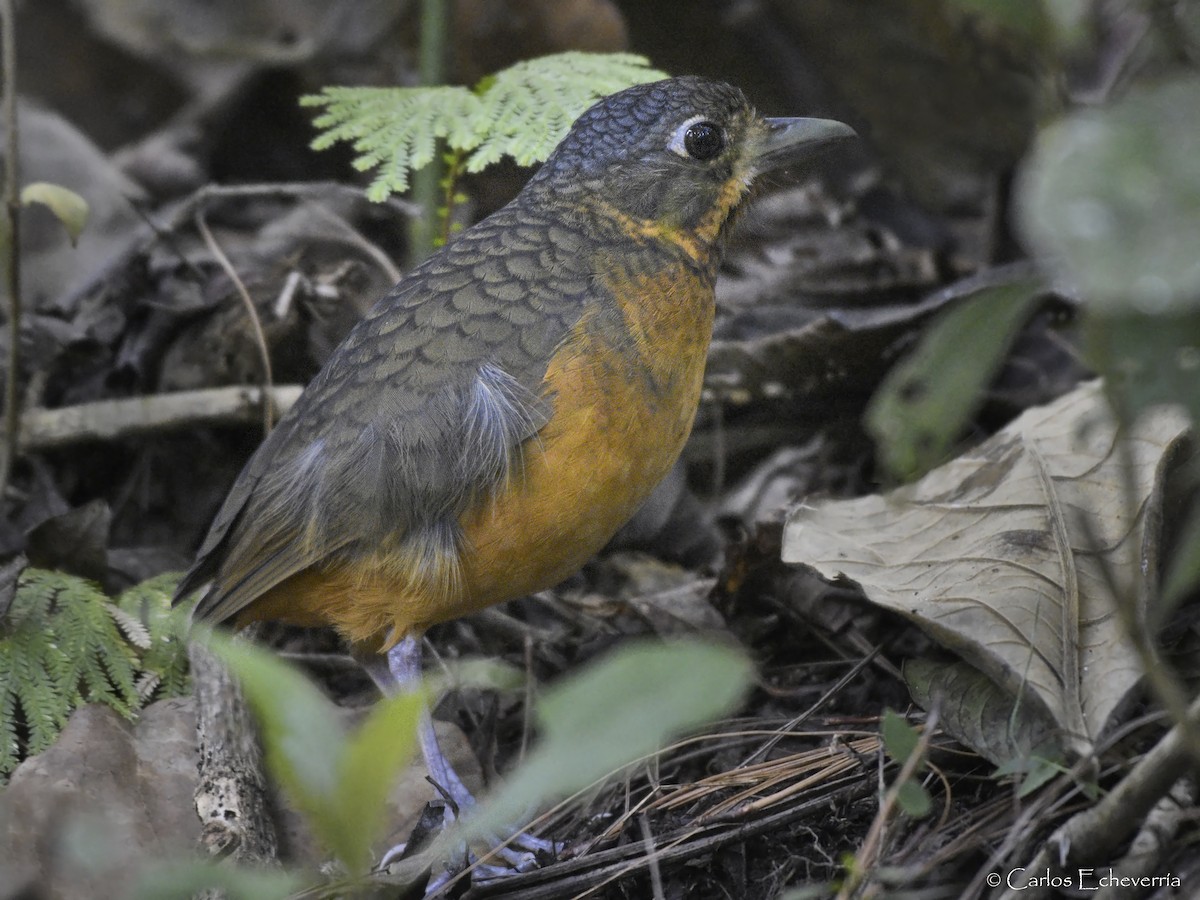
(400, 673)
(404, 662)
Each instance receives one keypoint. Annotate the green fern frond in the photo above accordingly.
(394, 130)
(522, 112)
(65, 644)
(528, 108)
(165, 657)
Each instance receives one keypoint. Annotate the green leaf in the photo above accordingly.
(926, 400)
(164, 662)
(1111, 198)
(1146, 360)
(616, 712)
(914, 799)
(188, 878)
(899, 738)
(373, 758)
(302, 737)
(68, 207)
(1041, 772)
(340, 783)
(1037, 771)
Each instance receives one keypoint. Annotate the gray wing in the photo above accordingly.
(420, 412)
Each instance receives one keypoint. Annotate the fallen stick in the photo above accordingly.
(107, 420)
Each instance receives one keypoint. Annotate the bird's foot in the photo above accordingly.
(522, 852)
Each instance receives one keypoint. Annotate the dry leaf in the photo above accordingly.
(1010, 555)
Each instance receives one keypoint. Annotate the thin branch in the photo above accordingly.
(1094, 833)
(178, 215)
(656, 882)
(358, 240)
(255, 323)
(12, 205)
(868, 854)
(111, 420)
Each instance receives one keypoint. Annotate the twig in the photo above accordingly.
(255, 323)
(761, 752)
(109, 420)
(656, 882)
(178, 215)
(870, 848)
(1092, 834)
(12, 205)
(1153, 840)
(358, 240)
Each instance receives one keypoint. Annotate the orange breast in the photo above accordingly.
(625, 384)
(622, 416)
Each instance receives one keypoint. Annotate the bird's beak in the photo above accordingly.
(793, 140)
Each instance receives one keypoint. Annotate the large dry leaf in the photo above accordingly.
(1010, 555)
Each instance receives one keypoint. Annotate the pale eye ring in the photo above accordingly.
(698, 138)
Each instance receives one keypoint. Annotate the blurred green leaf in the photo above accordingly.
(1037, 770)
(302, 737)
(614, 713)
(373, 758)
(1147, 360)
(1044, 22)
(1183, 568)
(914, 799)
(187, 878)
(899, 737)
(1111, 198)
(926, 399)
(1026, 17)
(68, 207)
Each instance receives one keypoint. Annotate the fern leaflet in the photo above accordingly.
(529, 107)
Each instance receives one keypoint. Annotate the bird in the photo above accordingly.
(490, 423)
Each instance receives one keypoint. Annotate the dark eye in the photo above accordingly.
(703, 140)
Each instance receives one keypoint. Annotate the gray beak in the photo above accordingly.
(793, 140)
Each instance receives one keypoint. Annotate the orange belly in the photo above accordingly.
(618, 427)
(621, 417)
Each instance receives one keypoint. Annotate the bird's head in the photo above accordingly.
(679, 154)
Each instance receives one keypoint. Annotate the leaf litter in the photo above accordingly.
(1014, 555)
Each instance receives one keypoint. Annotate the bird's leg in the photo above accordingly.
(404, 662)
(403, 673)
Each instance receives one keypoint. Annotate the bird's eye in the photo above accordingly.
(703, 140)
